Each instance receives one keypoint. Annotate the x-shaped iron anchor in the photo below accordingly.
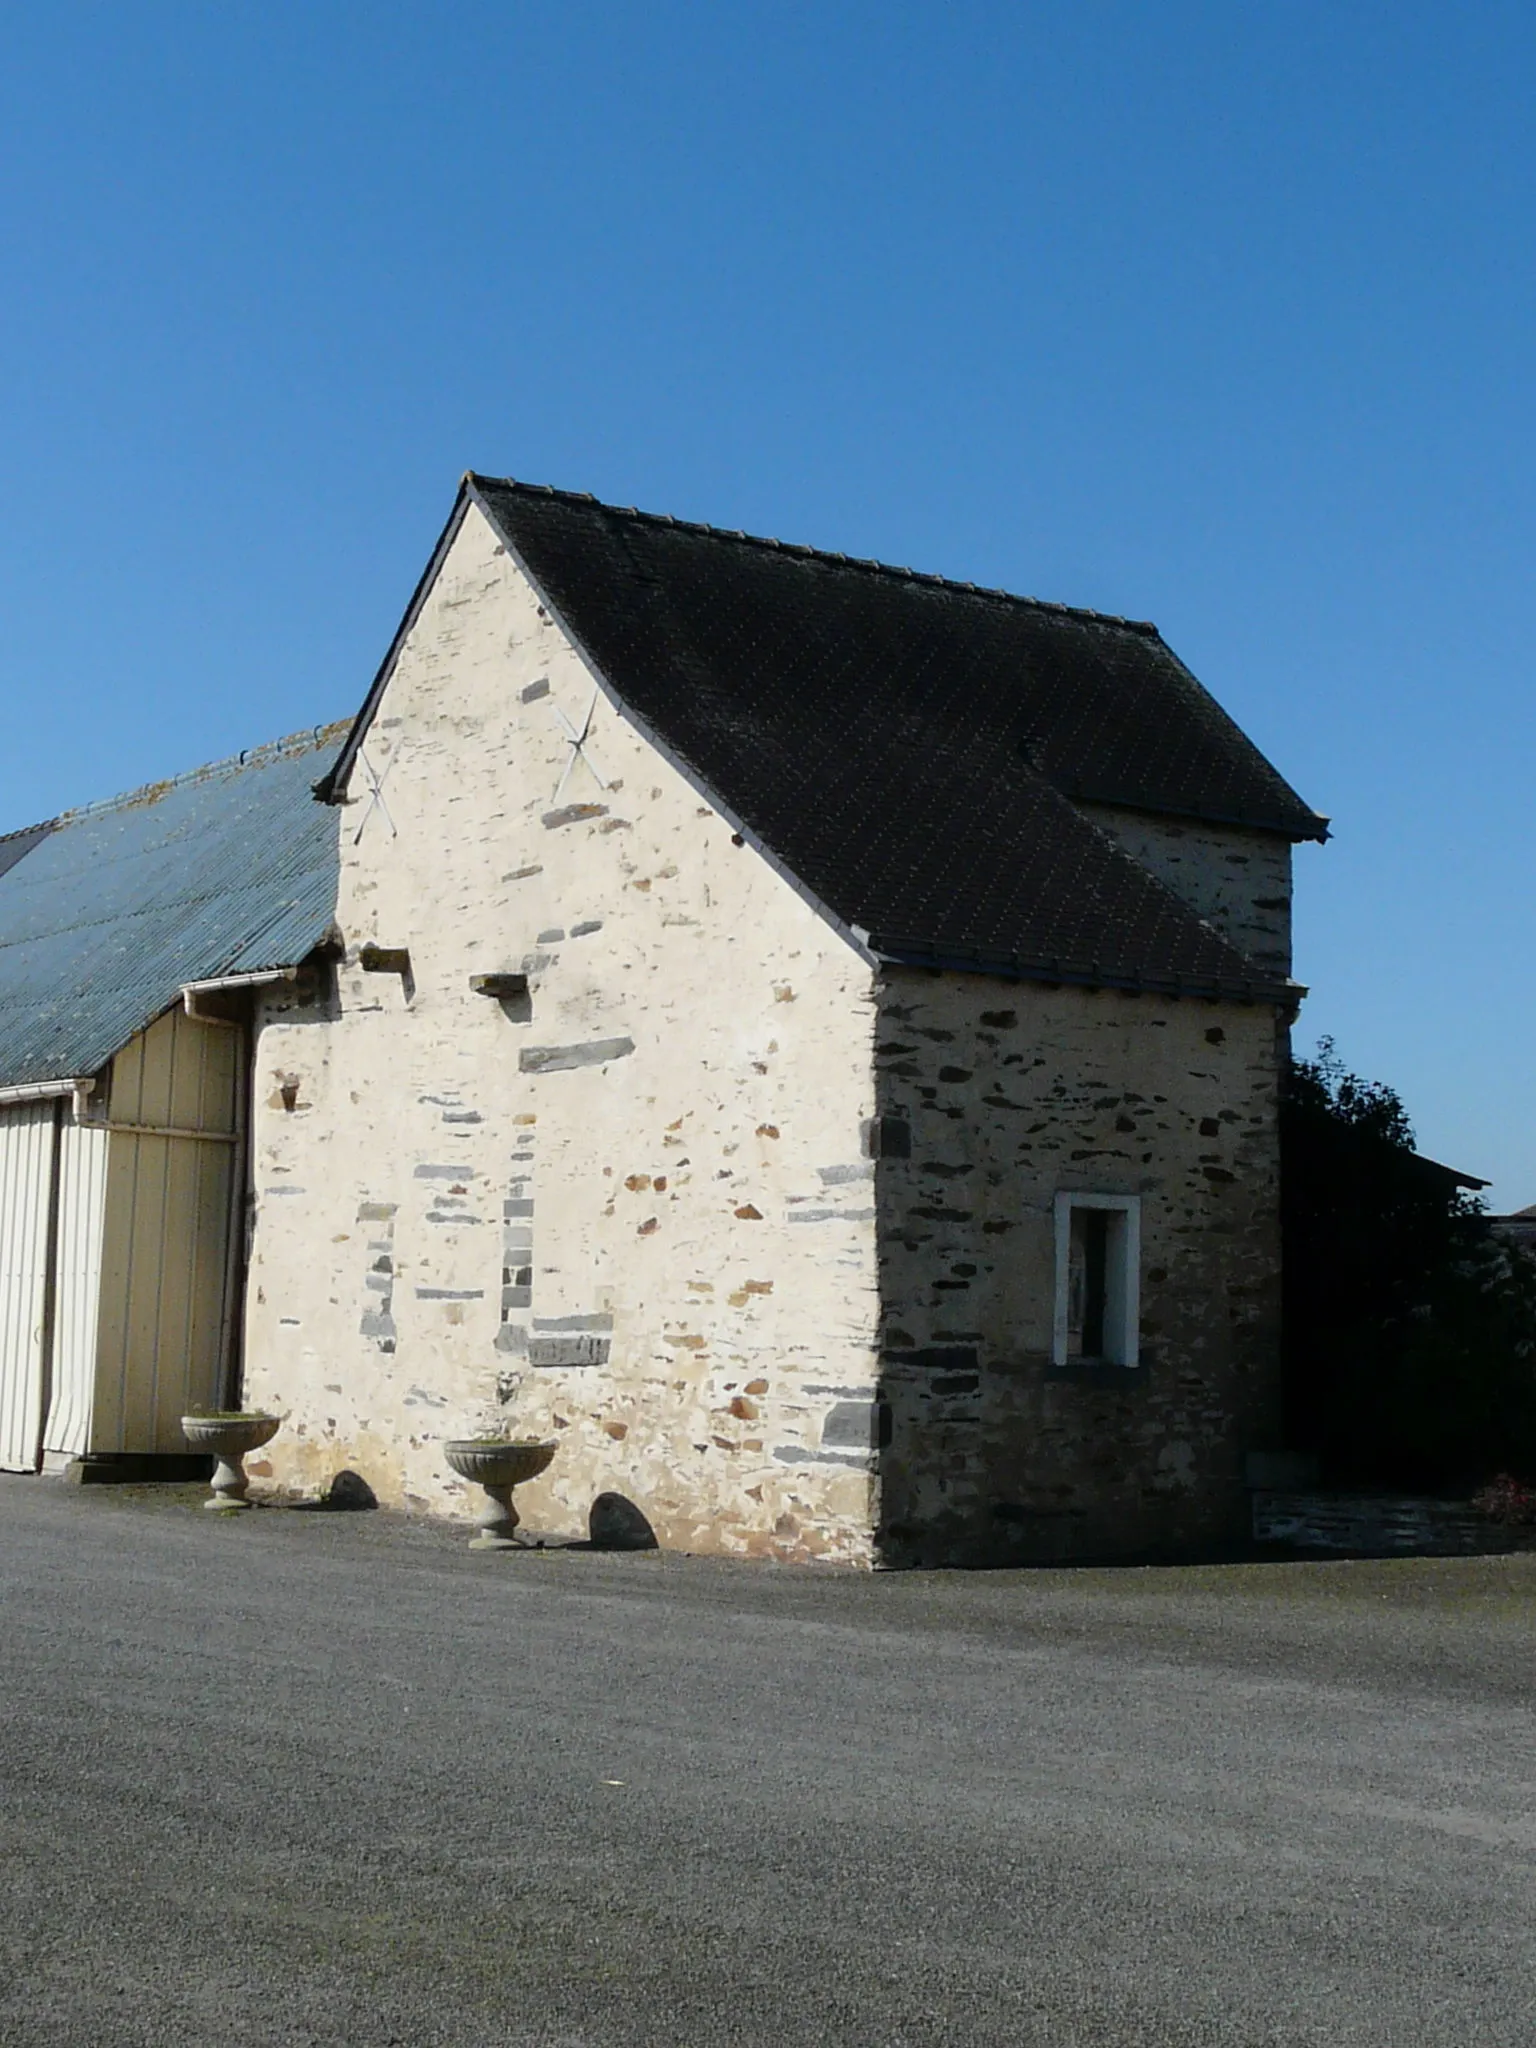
(579, 751)
(376, 796)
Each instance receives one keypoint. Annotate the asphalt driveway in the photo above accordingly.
(330, 1779)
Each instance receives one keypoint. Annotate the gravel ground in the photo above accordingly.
(307, 1778)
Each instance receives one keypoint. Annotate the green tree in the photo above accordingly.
(1410, 1328)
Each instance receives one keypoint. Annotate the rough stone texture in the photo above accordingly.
(1238, 879)
(764, 1242)
(456, 1209)
(554, 1059)
(1013, 1094)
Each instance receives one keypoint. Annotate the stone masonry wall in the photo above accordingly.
(1237, 879)
(628, 1207)
(1009, 1093)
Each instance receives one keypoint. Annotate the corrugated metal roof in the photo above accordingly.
(110, 910)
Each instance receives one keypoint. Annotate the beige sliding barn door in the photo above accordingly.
(166, 1271)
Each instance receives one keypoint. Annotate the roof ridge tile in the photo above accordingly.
(22, 831)
(868, 563)
(306, 740)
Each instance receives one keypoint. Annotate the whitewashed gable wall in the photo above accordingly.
(661, 1170)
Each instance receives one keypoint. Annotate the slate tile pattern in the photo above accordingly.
(910, 748)
(907, 747)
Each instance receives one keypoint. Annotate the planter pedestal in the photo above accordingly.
(497, 1468)
(229, 1438)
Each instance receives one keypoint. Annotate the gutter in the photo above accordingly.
(191, 990)
(80, 1086)
(49, 1091)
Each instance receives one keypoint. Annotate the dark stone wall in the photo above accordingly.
(992, 1097)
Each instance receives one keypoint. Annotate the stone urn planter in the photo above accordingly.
(229, 1438)
(498, 1467)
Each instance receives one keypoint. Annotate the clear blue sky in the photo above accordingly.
(1218, 315)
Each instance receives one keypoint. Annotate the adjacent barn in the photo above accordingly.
(131, 936)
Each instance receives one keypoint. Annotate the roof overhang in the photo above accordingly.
(1450, 1173)
(192, 992)
(1320, 829)
(895, 952)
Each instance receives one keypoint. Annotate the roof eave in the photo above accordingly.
(1304, 809)
(1317, 830)
(1451, 1173)
(19, 1092)
(1014, 967)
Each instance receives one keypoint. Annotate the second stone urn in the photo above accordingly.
(497, 1466)
(230, 1438)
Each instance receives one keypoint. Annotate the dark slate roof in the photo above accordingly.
(106, 913)
(1518, 1229)
(908, 749)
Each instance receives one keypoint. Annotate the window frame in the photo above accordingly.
(1122, 1281)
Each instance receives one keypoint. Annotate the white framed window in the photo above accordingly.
(1098, 1280)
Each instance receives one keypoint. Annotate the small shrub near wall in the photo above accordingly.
(1508, 1501)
